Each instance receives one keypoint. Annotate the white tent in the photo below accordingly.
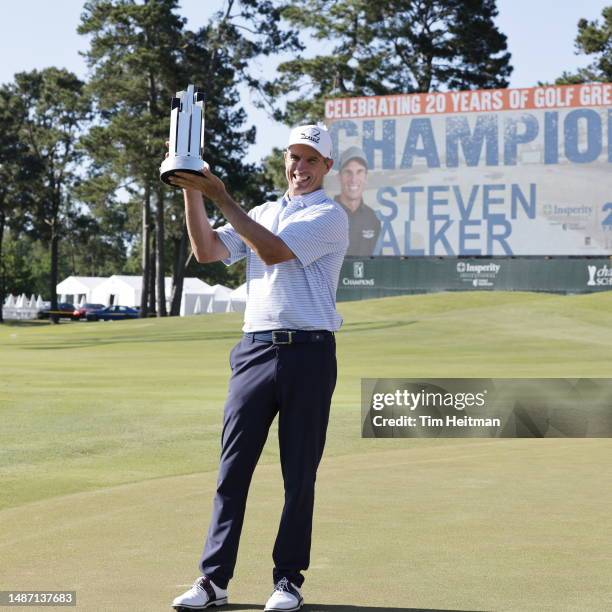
(78, 289)
(196, 296)
(20, 307)
(126, 291)
(237, 299)
(119, 290)
(200, 305)
(220, 299)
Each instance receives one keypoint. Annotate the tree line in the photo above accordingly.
(79, 180)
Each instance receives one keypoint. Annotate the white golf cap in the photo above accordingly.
(315, 136)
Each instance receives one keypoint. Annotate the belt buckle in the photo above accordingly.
(275, 339)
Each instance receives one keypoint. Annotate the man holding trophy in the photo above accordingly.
(285, 363)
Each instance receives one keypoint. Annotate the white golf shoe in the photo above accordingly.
(203, 594)
(286, 597)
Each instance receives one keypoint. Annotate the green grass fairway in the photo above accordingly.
(110, 439)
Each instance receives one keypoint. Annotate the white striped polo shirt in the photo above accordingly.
(299, 293)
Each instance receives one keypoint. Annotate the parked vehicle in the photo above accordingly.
(64, 311)
(85, 309)
(113, 313)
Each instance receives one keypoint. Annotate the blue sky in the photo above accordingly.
(40, 33)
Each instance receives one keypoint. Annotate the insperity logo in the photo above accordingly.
(599, 276)
(478, 274)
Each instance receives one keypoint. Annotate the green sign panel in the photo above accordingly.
(378, 277)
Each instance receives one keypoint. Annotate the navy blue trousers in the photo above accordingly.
(297, 382)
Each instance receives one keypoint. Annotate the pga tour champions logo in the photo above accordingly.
(358, 279)
(599, 276)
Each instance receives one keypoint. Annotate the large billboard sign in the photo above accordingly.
(476, 173)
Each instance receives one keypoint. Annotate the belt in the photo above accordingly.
(289, 336)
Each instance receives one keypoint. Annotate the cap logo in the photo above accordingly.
(315, 136)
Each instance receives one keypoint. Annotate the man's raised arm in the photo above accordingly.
(205, 243)
(269, 247)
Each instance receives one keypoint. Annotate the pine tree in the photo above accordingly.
(16, 168)
(56, 113)
(141, 54)
(397, 46)
(594, 39)
(134, 58)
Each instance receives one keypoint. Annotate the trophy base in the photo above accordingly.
(170, 165)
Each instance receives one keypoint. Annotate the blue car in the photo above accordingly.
(113, 313)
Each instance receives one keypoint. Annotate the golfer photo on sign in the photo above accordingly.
(364, 225)
(285, 362)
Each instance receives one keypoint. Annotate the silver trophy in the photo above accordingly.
(186, 134)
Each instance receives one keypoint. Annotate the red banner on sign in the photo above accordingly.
(561, 96)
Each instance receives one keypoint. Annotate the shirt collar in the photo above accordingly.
(347, 209)
(314, 197)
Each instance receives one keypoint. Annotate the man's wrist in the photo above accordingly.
(224, 201)
(191, 193)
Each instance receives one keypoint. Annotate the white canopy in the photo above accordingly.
(125, 290)
(220, 299)
(196, 296)
(21, 307)
(237, 300)
(120, 290)
(78, 289)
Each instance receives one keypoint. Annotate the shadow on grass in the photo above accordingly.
(338, 608)
(87, 342)
(347, 328)
(315, 607)
(143, 337)
(25, 323)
